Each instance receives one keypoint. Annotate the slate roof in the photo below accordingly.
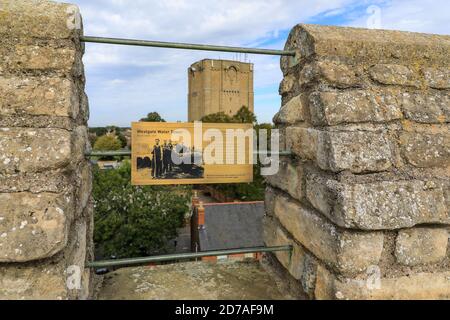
(232, 225)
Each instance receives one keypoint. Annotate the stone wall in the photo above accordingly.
(365, 199)
(45, 180)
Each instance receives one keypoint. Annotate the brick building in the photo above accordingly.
(219, 86)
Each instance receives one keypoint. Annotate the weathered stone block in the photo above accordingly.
(286, 85)
(62, 277)
(418, 286)
(33, 226)
(421, 245)
(32, 121)
(292, 111)
(35, 150)
(300, 264)
(438, 78)
(37, 58)
(84, 184)
(50, 96)
(338, 74)
(269, 201)
(394, 74)
(426, 150)
(378, 205)
(275, 236)
(282, 136)
(39, 19)
(357, 151)
(426, 108)
(303, 142)
(331, 73)
(289, 178)
(35, 182)
(348, 251)
(333, 108)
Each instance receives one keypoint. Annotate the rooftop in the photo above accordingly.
(232, 225)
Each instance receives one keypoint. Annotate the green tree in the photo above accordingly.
(99, 131)
(133, 221)
(153, 117)
(218, 117)
(122, 139)
(107, 142)
(244, 115)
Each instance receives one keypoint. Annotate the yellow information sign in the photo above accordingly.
(191, 153)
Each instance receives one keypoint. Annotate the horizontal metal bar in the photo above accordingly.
(189, 46)
(178, 256)
(128, 153)
(108, 153)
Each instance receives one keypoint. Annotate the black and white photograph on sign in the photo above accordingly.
(167, 160)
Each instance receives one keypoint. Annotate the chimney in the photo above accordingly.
(195, 199)
(200, 215)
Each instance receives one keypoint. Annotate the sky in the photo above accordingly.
(125, 83)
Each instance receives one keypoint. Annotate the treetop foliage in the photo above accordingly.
(107, 142)
(244, 115)
(132, 221)
(153, 117)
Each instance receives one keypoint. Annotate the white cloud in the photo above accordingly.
(429, 16)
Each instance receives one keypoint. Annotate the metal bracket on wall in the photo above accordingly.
(294, 60)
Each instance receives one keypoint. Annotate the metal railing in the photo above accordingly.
(180, 256)
(128, 153)
(188, 46)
